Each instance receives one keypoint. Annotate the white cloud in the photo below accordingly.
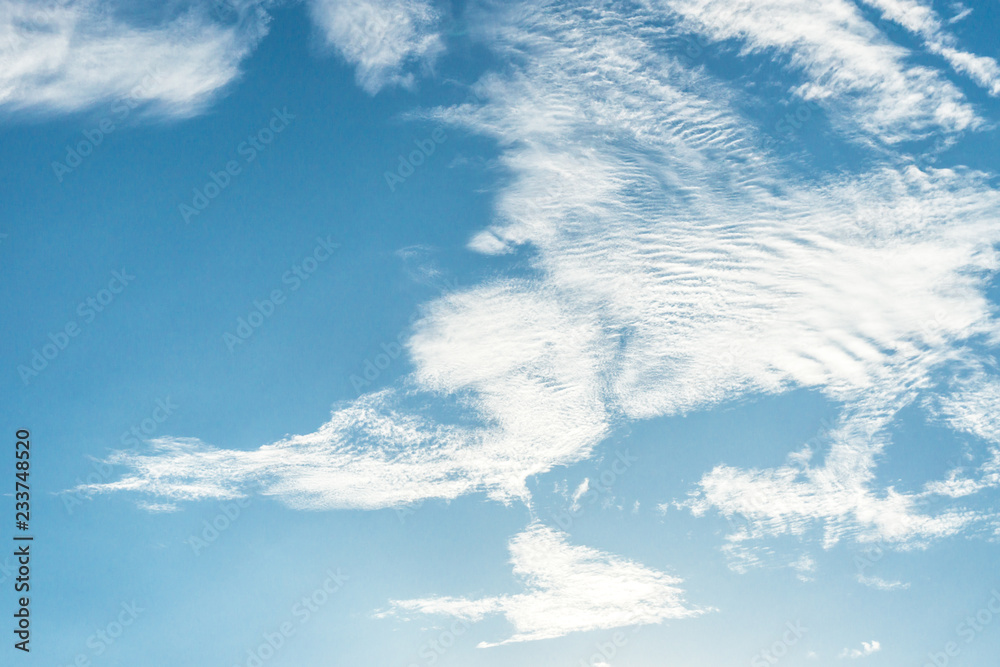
(367, 456)
(921, 19)
(73, 54)
(535, 399)
(568, 589)
(805, 566)
(851, 67)
(867, 648)
(381, 38)
(838, 495)
(69, 55)
(580, 490)
(972, 406)
(957, 485)
(882, 584)
(532, 375)
(158, 507)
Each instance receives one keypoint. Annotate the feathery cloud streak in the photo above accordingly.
(69, 55)
(848, 63)
(569, 589)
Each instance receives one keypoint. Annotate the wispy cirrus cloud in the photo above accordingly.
(881, 584)
(366, 456)
(840, 495)
(865, 81)
(69, 55)
(920, 19)
(383, 39)
(568, 589)
(533, 404)
(972, 405)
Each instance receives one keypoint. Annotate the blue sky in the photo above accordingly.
(415, 333)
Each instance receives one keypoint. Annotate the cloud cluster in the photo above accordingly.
(676, 262)
(718, 274)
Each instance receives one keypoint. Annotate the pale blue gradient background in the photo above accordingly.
(162, 337)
